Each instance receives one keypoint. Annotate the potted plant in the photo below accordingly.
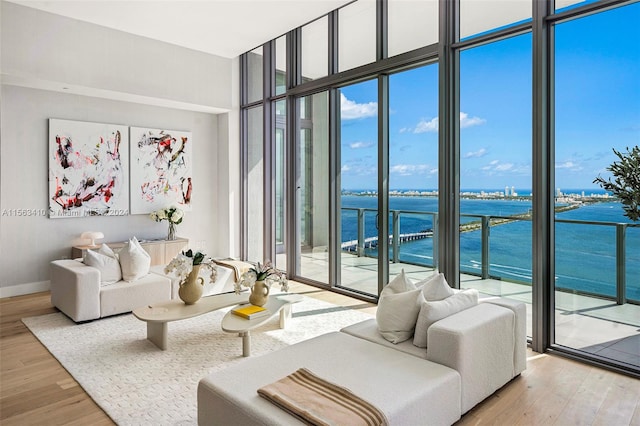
(626, 183)
(259, 279)
(186, 266)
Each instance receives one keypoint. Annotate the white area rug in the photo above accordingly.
(138, 384)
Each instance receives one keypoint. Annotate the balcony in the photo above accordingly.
(601, 317)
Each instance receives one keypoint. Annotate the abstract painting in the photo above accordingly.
(161, 172)
(88, 169)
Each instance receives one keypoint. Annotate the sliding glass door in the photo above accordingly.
(312, 188)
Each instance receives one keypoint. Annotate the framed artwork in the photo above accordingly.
(88, 169)
(161, 169)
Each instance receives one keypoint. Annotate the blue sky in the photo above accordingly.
(597, 108)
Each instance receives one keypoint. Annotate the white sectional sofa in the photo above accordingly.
(469, 355)
(76, 290)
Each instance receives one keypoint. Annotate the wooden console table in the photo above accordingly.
(161, 251)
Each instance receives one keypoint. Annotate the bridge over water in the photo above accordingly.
(372, 242)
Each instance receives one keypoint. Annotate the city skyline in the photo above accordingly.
(597, 105)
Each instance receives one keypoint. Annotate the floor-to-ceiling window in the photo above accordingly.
(495, 168)
(413, 171)
(359, 186)
(280, 190)
(597, 249)
(255, 186)
(487, 97)
(312, 188)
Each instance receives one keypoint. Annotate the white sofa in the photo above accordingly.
(469, 356)
(76, 290)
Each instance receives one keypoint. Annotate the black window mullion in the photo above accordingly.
(269, 119)
(333, 42)
(543, 222)
(449, 144)
(382, 29)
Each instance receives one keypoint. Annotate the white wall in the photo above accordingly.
(46, 49)
(106, 64)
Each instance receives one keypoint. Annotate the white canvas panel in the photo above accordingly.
(88, 169)
(161, 169)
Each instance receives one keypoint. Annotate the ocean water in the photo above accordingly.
(585, 253)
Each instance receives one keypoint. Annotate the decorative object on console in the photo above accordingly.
(92, 236)
(259, 279)
(173, 215)
(161, 171)
(186, 266)
(88, 169)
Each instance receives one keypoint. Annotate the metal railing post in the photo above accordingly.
(396, 235)
(360, 250)
(434, 222)
(486, 227)
(621, 264)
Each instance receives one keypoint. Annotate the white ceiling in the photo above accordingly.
(226, 28)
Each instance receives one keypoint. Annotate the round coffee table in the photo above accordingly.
(281, 303)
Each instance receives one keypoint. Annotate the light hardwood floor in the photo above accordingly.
(35, 389)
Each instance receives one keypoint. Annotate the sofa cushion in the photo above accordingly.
(134, 260)
(368, 330)
(106, 261)
(432, 311)
(398, 309)
(435, 287)
(124, 297)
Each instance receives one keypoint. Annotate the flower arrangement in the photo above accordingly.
(183, 264)
(262, 272)
(173, 215)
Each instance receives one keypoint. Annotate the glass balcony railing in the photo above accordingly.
(499, 247)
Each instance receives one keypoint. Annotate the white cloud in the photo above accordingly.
(432, 125)
(466, 121)
(477, 154)
(504, 167)
(496, 166)
(357, 145)
(345, 168)
(350, 110)
(570, 165)
(410, 169)
(427, 126)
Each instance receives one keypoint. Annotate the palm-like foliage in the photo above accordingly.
(626, 181)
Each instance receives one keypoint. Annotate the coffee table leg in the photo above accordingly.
(157, 334)
(246, 343)
(285, 315)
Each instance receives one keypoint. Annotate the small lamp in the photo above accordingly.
(93, 236)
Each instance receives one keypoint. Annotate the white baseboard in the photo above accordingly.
(26, 288)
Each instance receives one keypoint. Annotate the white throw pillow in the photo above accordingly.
(106, 261)
(435, 287)
(432, 311)
(398, 309)
(134, 260)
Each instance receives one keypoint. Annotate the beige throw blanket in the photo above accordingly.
(239, 267)
(316, 401)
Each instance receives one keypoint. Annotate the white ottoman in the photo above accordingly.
(409, 390)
